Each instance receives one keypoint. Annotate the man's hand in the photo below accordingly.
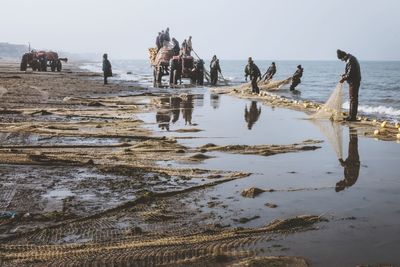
(342, 80)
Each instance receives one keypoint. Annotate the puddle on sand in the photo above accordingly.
(363, 187)
(30, 139)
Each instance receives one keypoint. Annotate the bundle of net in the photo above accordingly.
(332, 109)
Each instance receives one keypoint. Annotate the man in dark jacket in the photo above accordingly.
(269, 74)
(351, 164)
(296, 77)
(166, 35)
(158, 43)
(254, 72)
(353, 77)
(214, 69)
(176, 48)
(107, 70)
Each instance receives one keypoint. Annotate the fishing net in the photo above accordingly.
(273, 85)
(332, 109)
(333, 132)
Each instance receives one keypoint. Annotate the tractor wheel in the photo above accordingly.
(43, 65)
(159, 75)
(35, 65)
(154, 77)
(59, 66)
(24, 63)
(53, 66)
(176, 76)
(172, 75)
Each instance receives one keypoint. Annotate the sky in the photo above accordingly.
(231, 29)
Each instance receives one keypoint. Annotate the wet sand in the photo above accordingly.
(120, 175)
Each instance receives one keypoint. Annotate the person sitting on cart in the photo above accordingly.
(184, 47)
(166, 35)
(176, 48)
(158, 42)
(189, 46)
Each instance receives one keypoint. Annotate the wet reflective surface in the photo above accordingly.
(359, 194)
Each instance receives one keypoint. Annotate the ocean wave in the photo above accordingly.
(381, 110)
(93, 67)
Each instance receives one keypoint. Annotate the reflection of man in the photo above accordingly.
(175, 108)
(187, 109)
(214, 99)
(252, 115)
(351, 164)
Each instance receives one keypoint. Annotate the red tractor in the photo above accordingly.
(41, 60)
(176, 67)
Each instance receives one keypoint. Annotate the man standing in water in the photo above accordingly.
(269, 74)
(107, 70)
(296, 78)
(214, 69)
(353, 77)
(254, 72)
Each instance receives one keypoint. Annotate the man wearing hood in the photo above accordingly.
(107, 70)
(353, 77)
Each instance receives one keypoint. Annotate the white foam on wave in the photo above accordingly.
(382, 110)
(92, 67)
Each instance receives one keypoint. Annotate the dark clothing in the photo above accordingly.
(214, 69)
(254, 72)
(162, 39)
(158, 43)
(353, 77)
(353, 71)
(252, 115)
(166, 36)
(270, 72)
(107, 70)
(176, 48)
(354, 87)
(351, 165)
(296, 78)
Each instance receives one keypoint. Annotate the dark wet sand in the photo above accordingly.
(95, 177)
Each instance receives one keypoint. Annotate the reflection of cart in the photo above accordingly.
(176, 67)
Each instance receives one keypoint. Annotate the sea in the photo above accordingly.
(379, 94)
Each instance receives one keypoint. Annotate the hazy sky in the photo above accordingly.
(232, 29)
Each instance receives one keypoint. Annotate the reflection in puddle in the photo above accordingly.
(172, 107)
(351, 164)
(251, 115)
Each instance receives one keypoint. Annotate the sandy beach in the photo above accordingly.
(122, 175)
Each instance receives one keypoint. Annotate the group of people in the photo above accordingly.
(161, 37)
(352, 73)
(251, 70)
(185, 48)
(352, 76)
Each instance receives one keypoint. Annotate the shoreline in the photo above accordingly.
(87, 130)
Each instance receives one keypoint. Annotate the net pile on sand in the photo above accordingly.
(263, 85)
(273, 85)
(332, 109)
(152, 55)
(163, 55)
